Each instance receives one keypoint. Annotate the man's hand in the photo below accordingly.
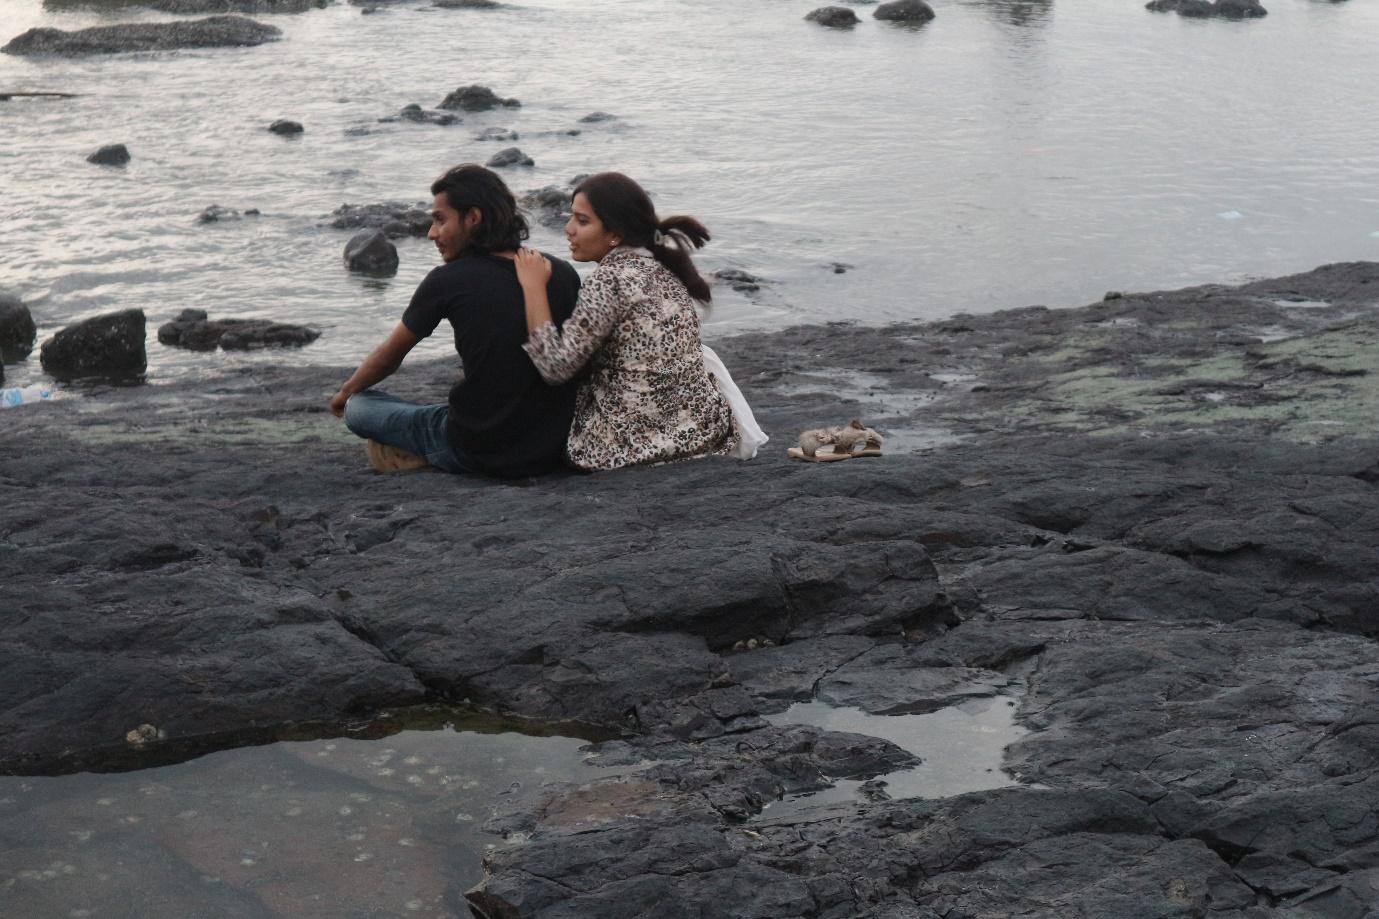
(337, 403)
(533, 269)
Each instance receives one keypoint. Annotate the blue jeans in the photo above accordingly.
(420, 429)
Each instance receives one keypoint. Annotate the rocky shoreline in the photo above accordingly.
(1155, 516)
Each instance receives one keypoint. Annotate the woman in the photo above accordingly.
(647, 396)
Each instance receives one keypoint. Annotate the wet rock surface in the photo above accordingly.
(196, 331)
(835, 17)
(904, 11)
(1152, 521)
(370, 252)
(212, 32)
(17, 329)
(476, 98)
(1206, 9)
(395, 218)
(109, 346)
(110, 155)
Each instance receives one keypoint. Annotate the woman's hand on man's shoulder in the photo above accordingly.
(533, 268)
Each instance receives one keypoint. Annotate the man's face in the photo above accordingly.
(450, 230)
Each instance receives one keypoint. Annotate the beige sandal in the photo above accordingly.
(852, 439)
(386, 458)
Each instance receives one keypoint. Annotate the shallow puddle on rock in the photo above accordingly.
(323, 828)
(961, 747)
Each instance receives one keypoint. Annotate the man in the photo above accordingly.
(501, 419)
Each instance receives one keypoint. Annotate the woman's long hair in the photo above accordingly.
(625, 208)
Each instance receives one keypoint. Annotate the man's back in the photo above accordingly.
(503, 418)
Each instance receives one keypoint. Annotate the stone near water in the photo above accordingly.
(286, 127)
(195, 331)
(213, 32)
(1206, 9)
(476, 98)
(497, 134)
(17, 330)
(597, 118)
(110, 155)
(196, 7)
(743, 282)
(371, 253)
(904, 11)
(215, 214)
(395, 218)
(509, 156)
(467, 4)
(418, 115)
(551, 205)
(835, 17)
(110, 346)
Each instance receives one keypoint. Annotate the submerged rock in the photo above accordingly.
(214, 32)
(467, 4)
(1204, 9)
(17, 329)
(110, 155)
(370, 252)
(904, 11)
(286, 127)
(597, 118)
(476, 98)
(395, 218)
(744, 282)
(497, 134)
(195, 331)
(509, 156)
(197, 7)
(418, 115)
(108, 346)
(551, 205)
(835, 17)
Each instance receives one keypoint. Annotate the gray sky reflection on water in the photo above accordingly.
(961, 746)
(325, 828)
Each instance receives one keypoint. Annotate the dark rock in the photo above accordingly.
(286, 127)
(509, 156)
(215, 213)
(109, 346)
(213, 32)
(17, 329)
(371, 253)
(741, 281)
(1203, 9)
(476, 98)
(196, 7)
(395, 218)
(835, 17)
(497, 134)
(418, 115)
(193, 330)
(110, 155)
(597, 118)
(467, 4)
(551, 205)
(904, 11)
(1179, 595)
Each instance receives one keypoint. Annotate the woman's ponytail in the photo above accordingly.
(625, 208)
(674, 239)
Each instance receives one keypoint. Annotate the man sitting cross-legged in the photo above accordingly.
(501, 419)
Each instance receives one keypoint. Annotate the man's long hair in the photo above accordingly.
(502, 227)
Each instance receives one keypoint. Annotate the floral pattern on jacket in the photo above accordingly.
(648, 398)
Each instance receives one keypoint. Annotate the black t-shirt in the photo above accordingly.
(504, 418)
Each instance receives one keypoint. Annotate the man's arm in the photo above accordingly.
(381, 363)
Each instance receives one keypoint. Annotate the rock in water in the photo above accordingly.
(550, 204)
(286, 127)
(193, 330)
(835, 17)
(110, 155)
(17, 330)
(111, 345)
(395, 218)
(1240, 9)
(370, 252)
(213, 32)
(476, 98)
(904, 11)
(467, 4)
(510, 156)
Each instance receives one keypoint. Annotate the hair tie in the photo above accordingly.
(658, 238)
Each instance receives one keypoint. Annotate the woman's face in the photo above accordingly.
(589, 239)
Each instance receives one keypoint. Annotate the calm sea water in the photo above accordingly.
(1006, 153)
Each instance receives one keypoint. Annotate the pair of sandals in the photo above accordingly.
(829, 445)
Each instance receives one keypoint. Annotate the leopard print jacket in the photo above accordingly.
(648, 397)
